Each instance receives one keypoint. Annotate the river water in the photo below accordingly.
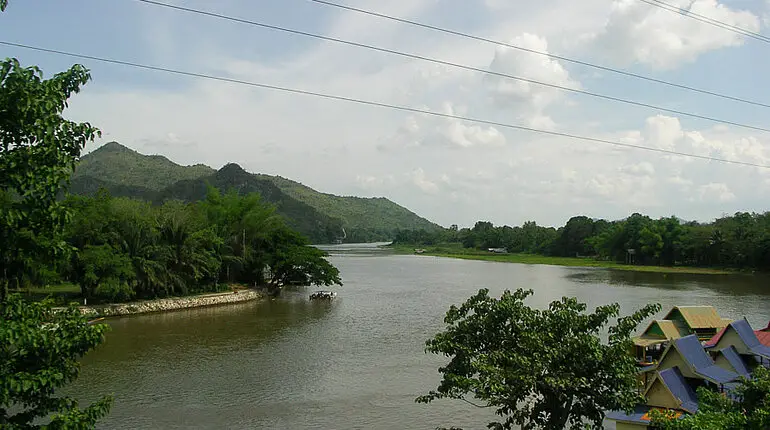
(357, 362)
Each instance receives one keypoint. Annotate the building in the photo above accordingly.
(680, 321)
(687, 363)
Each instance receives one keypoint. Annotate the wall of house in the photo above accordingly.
(658, 395)
(722, 362)
(673, 358)
(730, 337)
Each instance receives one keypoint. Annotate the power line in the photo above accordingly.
(447, 63)
(702, 18)
(380, 104)
(533, 51)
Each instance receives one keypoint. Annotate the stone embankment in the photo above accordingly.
(170, 304)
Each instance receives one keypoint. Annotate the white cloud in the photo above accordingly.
(528, 100)
(449, 170)
(716, 191)
(419, 179)
(662, 39)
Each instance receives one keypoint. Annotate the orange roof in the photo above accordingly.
(763, 336)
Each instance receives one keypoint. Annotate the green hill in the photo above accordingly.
(117, 164)
(322, 217)
(361, 216)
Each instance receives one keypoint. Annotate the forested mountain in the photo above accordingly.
(118, 165)
(322, 217)
(365, 219)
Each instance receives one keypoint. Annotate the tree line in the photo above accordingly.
(740, 241)
(123, 249)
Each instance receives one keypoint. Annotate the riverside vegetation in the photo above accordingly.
(113, 248)
(738, 242)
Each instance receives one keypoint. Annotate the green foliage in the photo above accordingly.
(749, 411)
(129, 249)
(741, 241)
(129, 168)
(38, 150)
(364, 219)
(39, 351)
(321, 217)
(538, 368)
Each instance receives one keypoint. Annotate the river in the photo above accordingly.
(356, 362)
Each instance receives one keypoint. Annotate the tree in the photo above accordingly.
(748, 410)
(538, 368)
(296, 262)
(38, 151)
(39, 351)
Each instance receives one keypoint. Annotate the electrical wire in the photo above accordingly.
(450, 64)
(702, 18)
(379, 104)
(547, 54)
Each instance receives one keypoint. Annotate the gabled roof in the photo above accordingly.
(763, 335)
(696, 358)
(749, 338)
(699, 316)
(673, 380)
(735, 360)
(667, 327)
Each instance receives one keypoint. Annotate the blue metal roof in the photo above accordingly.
(735, 360)
(692, 351)
(639, 415)
(748, 337)
(679, 387)
(634, 417)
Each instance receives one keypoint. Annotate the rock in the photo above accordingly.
(170, 304)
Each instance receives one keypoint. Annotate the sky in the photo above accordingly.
(448, 170)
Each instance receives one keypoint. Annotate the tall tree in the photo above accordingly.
(38, 151)
(538, 368)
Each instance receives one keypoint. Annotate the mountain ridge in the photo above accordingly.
(324, 217)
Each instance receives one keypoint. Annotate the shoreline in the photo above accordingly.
(451, 252)
(170, 304)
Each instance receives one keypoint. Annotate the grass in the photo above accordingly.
(61, 293)
(457, 251)
(65, 293)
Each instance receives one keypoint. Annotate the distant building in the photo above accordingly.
(498, 250)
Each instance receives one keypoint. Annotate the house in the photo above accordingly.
(668, 391)
(740, 335)
(650, 345)
(686, 364)
(680, 321)
(701, 320)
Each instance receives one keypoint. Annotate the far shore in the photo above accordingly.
(450, 251)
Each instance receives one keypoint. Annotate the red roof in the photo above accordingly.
(762, 334)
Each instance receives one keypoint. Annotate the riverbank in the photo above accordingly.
(450, 251)
(171, 303)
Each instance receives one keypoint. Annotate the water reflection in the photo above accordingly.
(357, 361)
(733, 284)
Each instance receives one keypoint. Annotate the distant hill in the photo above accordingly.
(376, 216)
(114, 163)
(322, 217)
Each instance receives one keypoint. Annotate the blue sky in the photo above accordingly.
(447, 170)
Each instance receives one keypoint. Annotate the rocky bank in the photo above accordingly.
(170, 304)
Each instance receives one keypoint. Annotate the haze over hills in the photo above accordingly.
(323, 217)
